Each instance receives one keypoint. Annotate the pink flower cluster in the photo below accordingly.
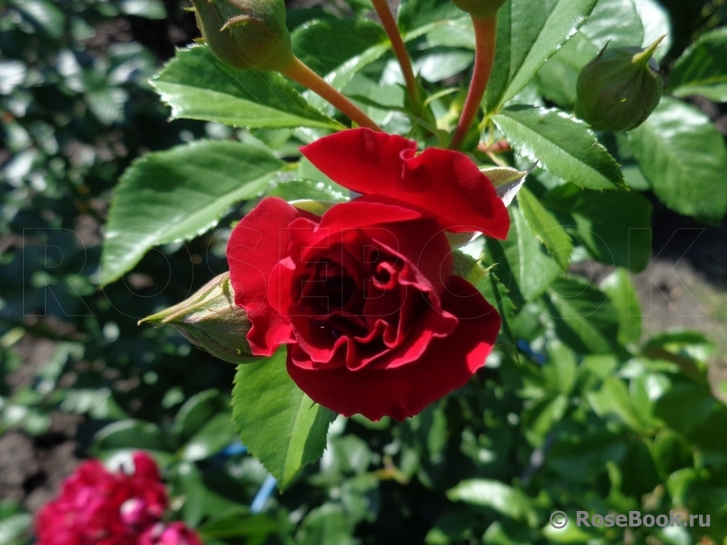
(98, 507)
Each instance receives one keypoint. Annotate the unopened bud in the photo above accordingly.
(211, 320)
(619, 89)
(246, 34)
(479, 8)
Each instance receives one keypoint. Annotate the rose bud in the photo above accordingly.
(210, 319)
(246, 34)
(619, 89)
(479, 8)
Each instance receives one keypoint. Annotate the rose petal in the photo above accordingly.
(256, 245)
(404, 391)
(445, 183)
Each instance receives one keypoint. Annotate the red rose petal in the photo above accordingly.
(401, 392)
(256, 245)
(445, 183)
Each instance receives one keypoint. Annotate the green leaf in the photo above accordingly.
(581, 457)
(563, 145)
(615, 227)
(178, 194)
(43, 15)
(14, 527)
(496, 495)
(614, 398)
(418, 13)
(198, 86)
(622, 295)
(129, 434)
(489, 286)
(583, 317)
(655, 19)
(279, 423)
(197, 411)
(531, 267)
(701, 70)
(150, 9)
(528, 34)
(295, 190)
(684, 159)
(324, 45)
(239, 525)
(215, 435)
(562, 368)
(614, 22)
(544, 226)
(326, 525)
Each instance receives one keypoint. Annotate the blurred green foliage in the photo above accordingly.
(548, 429)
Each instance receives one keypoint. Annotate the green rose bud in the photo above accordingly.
(246, 34)
(479, 8)
(619, 89)
(211, 320)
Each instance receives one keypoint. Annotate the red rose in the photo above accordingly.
(364, 296)
(96, 506)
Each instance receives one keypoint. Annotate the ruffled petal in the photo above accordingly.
(256, 245)
(404, 391)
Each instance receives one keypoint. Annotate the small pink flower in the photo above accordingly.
(98, 507)
(174, 533)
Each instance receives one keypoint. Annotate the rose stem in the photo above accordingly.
(298, 71)
(485, 32)
(402, 55)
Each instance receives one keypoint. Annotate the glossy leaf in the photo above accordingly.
(656, 22)
(496, 495)
(489, 286)
(701, 70)
(615, 226)
(324, 45)
(42, 14)
(583, 316)
(545, 227)
(613, 398)
(197, 411)
(561, 144)
(198, 86)
(620, 291)
(129, 434)
(528, 33)
(532, 268)
(215, 435)
(280, 424)
(178, 194)
(418, 13)
(684, 159)
(614, 22)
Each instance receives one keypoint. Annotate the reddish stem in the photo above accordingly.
(402, 55)
(485, 34)
(298, 71)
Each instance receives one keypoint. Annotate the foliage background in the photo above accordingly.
(79, 378)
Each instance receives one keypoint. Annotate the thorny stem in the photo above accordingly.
(298, 71)
(402, 55)
(485, 33)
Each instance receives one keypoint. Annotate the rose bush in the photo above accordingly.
(364, 296)
(96, 506)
